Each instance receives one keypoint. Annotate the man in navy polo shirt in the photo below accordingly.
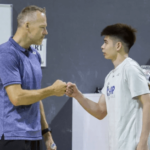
(21, 111)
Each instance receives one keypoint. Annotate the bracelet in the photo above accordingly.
(46, 130)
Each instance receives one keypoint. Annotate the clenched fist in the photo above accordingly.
(59, 88)
(72, 90)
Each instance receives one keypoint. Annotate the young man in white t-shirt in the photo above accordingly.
(125, 96)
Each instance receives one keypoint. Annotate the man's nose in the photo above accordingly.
(102, 47)
(45, 32)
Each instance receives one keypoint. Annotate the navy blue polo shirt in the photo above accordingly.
(19, 66)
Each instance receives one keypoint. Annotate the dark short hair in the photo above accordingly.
(28, 11)
(121, 31)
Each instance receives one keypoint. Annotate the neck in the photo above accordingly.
(21, 38)
(119, 59)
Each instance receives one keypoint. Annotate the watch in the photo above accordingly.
(46, 130)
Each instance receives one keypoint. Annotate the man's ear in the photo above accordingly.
(118, 46)
(27, 26)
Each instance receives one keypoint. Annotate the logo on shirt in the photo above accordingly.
(34, 53)
(110, 90)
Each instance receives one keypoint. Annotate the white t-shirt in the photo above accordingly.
(121, 88)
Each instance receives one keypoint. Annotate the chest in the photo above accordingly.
(30, 71)
(115, 83)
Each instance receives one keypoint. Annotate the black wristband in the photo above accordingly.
(46, 130)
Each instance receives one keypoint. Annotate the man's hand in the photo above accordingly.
(72, 90)
(48, 141)
(59, 88)
(142, 146)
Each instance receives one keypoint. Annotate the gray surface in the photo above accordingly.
(74, 52)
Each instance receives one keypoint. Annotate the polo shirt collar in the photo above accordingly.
(18, 46)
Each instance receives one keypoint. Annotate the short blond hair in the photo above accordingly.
(28, 13)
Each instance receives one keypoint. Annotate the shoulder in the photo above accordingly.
(132, 68)
(8, 47)
(131, 65)
(5, 47)
(8, 50)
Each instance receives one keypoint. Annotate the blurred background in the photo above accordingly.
(74, 49)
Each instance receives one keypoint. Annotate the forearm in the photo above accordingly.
(146, 124)
(19, 96)
(27, 97)
(44, 124)
(90, 106)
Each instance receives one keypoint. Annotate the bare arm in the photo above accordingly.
(47, 136)
(97, 110)
(145, 100)
(44, 124)
(19, 96)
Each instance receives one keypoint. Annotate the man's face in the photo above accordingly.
(108, 48)
(37, 29)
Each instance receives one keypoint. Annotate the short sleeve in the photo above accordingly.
(136, 81)
(104, 88)
(9, 69)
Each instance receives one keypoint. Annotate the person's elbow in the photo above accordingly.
(101, 115)
(14, 100)
(15, 94)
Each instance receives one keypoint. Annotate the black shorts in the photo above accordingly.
(19, 144)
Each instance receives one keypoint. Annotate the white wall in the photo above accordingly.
(5, 22)
(88, 133)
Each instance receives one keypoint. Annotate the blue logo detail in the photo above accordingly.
(110, 90)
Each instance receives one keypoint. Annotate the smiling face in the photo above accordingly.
(109, 48)
(37, 28)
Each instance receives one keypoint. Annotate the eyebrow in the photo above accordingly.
(45, 25)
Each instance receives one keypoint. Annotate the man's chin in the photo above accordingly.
(38, 43)
(106, 57)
